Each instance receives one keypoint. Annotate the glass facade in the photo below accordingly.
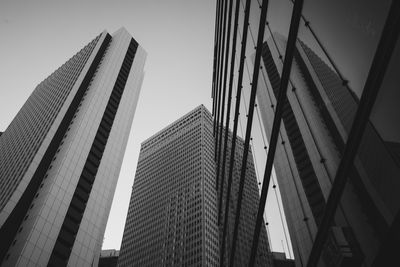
(313, 67)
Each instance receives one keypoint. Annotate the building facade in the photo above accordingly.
(172, 213)
(61, 155)
(325, 104)
(172, 217)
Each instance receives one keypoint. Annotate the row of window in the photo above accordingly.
(70, 226)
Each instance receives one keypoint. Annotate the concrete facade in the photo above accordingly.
(66, 219)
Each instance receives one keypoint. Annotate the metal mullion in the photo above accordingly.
(235, 124)
(215, 52)
(218, 61)
(220, 79)
(223, 93)
(372, 85)
(289, 53)
(221, 9)
(250, 114)
(233, 52)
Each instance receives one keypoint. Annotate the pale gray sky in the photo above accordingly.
(39, 36)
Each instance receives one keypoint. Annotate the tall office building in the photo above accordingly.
(317, 118)
(172, 212)
(332, 62)
(61, 155)
(172, 217)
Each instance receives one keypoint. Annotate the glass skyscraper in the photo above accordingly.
(314, 82)
(61, 155)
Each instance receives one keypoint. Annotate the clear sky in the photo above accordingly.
(39, 36)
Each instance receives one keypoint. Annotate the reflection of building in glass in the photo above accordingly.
(317, 118)
(61, 155)
(172, 217)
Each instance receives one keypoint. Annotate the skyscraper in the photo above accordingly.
(61, 155)
(172, 212)
(325, 94)
(172, 217)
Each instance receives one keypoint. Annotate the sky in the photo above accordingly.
(39, 36)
